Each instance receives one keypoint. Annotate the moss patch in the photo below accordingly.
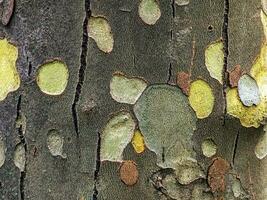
(52, 77)
(9, 77)
(149, 11)
(100, 31)
(201, 98)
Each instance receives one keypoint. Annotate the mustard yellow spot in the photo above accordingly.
(251, 116)
(138, 142)
(100, 31)
(149, 11)
(9, 77)
(214, 60)
(52, 77)
(201, 98)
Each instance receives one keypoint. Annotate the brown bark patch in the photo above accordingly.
(216, 174)
(183, 81)
(129, 172)
(235, 75)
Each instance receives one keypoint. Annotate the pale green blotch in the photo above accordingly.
(9, 77)
(100, 31)
(2, 152)
(149, 11)
(20, 157)
(261, 146)
(55, 143)
(116, 135)
(214, 60)
(52, 77)
(126, 90)
(167, 123)
(209, 148)
(201, 98)
(248, 90)
(182, 2)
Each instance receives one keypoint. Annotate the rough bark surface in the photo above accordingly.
(57, 29)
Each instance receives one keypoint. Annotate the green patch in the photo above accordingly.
(149, 11)
(52, 77)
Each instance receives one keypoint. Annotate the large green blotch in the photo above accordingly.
(168, 123)
(115, 136)
(52, 77)
(9, 77)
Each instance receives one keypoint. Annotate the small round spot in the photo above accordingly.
(129, 172)
(209, 148)
(52, 77)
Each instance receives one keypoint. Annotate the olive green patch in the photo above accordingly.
(52, 77)
(209, 148)
(9, 77)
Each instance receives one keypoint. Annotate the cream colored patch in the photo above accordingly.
(126, 90)
(149, 11)
(201, 98)
(214, 60)
(9, 77)
(100, 31)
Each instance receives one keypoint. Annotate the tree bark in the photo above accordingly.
(49, 30)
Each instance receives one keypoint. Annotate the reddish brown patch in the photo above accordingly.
(235, 75)
(129, 172)
(183, 81)
(8, 11)
(216, 174)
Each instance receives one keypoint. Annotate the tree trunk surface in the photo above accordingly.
(58, 30)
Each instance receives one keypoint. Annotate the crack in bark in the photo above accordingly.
(22, 141)
(169, 74)
(235, 148)
(226, 55)
(97, 166)
(82, 68)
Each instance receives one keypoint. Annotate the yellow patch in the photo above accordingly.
(9, 76)
(201, 98)
(138, 142)
(214, 60)
(52, 77)
(254, 115)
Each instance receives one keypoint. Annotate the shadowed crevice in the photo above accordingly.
(83, 62)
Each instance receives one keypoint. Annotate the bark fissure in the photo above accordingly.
(83, 63)
(169, 73)
(226, 54)
(235, 148)
(97, 166)
(24, 143)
